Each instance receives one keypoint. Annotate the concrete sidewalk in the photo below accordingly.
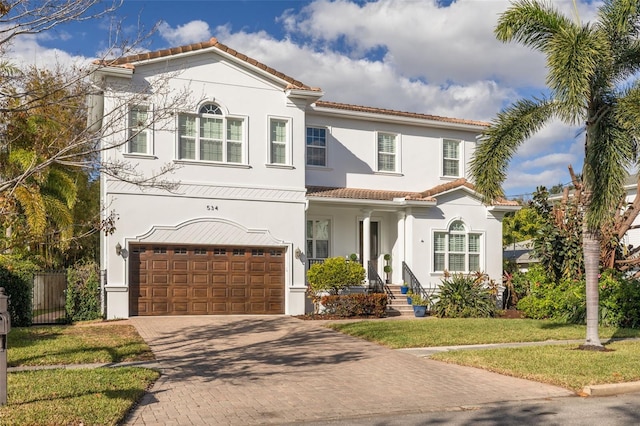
(275, 370)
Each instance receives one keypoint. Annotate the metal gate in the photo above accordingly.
(49, 297)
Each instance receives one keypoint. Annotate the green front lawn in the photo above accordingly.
(79, 344)
(100, 396)
(468, 331)
(561, 365)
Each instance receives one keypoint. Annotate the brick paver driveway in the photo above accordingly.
(241, 370)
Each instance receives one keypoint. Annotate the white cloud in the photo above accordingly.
(549, 161)
(191, 32)
(27, 51)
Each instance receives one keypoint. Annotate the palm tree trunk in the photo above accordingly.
(591, 250)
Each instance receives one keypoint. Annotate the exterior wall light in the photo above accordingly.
(118, 249)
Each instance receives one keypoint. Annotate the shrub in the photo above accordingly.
(418, 300)
(351, 305)
(333, 275)
(465, 296)
(83, 292)
(16, 276)
(619, 300)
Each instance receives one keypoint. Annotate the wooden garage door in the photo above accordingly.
(192, 280)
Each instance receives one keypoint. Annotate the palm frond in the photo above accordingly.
(35, 213)
(573, 56)
(531, 23)
(62, 185)
(500, 141)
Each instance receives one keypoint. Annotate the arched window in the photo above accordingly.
(211, 136)
(456, 250)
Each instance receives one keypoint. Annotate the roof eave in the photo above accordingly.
(398, 119)
(503, 208)
(308, 95)
(388, 203)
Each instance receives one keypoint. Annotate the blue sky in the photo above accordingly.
(428, 56)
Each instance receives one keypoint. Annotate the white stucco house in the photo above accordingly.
(272, 178)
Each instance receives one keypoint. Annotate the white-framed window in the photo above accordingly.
(279, 141)
(318, 238)
(211, 136)
(317, 146)
(387, 152)
(451, 155)
(139, 129)
(457, 250)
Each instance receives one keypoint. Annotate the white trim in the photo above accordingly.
(288, 121)
(461, 159)
(147, 129)
(397, 153)
(468, 230)
(327, 132)
(244, 161)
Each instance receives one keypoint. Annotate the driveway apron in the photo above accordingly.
(242, 370)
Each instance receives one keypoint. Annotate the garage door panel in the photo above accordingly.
(182, 291)
(220, 266)
(179, 265)
(168, 280)
(159, 308)
(179, 279)
(199, 278)
(238, 279)
(199, 307)
(180, 307)
(159, 291)
(159, 279)
(219, 279)
(200, 265)
(200, 292)
(160, 265)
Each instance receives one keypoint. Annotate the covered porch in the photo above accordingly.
(373, 226)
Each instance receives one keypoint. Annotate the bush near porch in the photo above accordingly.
(355, 305)
(332, 276)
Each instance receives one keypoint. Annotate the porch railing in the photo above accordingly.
(414, 284)
(376, 285)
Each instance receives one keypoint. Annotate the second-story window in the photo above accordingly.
(316, 146)
(278, 141)
(387, 152)
(139, 133)
(451, 158)
(211, 136)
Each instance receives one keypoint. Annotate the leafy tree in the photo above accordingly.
(50, 151)
(520, 226)
(591, 72)
(558, 243)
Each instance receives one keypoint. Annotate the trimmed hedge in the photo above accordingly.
(16, 276)
(83, 292)
(356, 305)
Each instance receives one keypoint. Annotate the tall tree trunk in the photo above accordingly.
(591, 250)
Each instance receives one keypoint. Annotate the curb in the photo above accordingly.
(610, 389)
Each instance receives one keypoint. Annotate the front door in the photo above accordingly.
(373, 255)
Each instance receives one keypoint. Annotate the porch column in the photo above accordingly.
(408, 242)
(366, 241)
(399, 255)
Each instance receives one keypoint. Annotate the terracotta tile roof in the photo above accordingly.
(363, 194)
(462, 182)
(381, 195)
(128, 61)
(359, 108)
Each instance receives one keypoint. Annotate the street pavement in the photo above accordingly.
(247, 370)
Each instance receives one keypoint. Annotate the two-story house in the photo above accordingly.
(269, 179)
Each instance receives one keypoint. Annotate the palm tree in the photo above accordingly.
(589, 72)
